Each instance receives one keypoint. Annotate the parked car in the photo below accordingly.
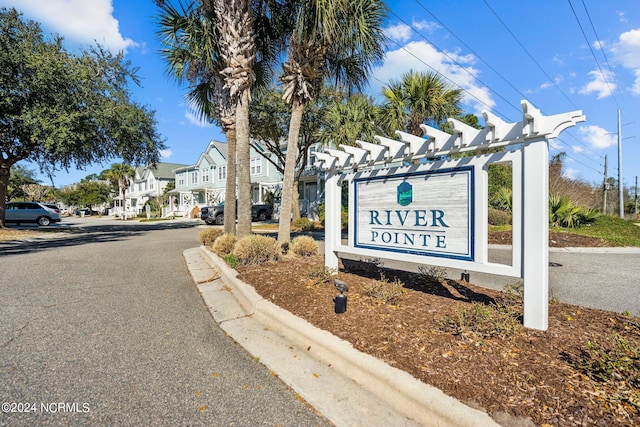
(215, 214)
(86, 212)
(41, 213)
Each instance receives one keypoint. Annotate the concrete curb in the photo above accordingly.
(397, 390)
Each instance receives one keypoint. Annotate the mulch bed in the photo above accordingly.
(519, 376)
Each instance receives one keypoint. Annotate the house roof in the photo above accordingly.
(161, 171)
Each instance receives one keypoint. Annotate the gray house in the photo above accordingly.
(204, 183)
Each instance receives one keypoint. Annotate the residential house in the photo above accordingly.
(204, 182)
(147, 183)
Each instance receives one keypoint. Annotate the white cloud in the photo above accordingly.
(81, 21)
(400, 32)
(627, 52)
(165, 154)
(415, 55)
(425, 25)
(603, 84)
(598, 44)
(570, 173)
(597, 137)
(194, 120)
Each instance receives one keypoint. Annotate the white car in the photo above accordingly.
(41, 213)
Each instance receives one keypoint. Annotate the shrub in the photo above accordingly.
(484, 321)
(209, 235)
(498, 217)
(432, 273)
(385, 291)
(303, 224)
(224, 244)
(319, 275)
(304, 246)
(256, 249)
(344, 215)
(564, 213)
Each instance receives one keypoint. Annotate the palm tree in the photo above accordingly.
(346, 122)
(189, 35)
(215, 47)
(419, 98)
(120, 175)
(333, 39)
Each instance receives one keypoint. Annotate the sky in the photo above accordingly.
(559, 55)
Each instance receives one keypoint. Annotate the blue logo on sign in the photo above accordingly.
(405, 194)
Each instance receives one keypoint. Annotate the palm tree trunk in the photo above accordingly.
(284, 228)
(230, 189)
(244, 173)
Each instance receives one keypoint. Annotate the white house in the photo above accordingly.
(147, 183)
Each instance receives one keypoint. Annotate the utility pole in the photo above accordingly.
(605, 187)
(636, 197)
(620, 184)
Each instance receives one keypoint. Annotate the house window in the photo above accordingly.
(194, 177)
(205, 174)
(222, 173)
(181, 180)
(256, 166)
(311, 156)
(151, 182)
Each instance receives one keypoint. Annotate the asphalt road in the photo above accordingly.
(105, 327)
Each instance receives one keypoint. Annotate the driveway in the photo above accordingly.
(103, 326)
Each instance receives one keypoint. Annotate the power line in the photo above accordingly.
(604, 76)
(471, 50)
(529, 54)
(455, 62)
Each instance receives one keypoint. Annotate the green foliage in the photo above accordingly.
(209, 235)
(564, 213)
(498, 217)
(344, 215)
(615, 360)
(231, 260)
(303, 224)
(419, 98)
(20, 176)
(500, 176)
(502, 199)
(223, 245)
(66, 110)
(304, 246)
(256, 249)
(385, 291)
(350, 120)
(613, 229)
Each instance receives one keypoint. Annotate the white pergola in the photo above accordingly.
(528, 152)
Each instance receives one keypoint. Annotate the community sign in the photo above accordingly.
(425, 213)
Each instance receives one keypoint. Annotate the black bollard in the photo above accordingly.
(340, 303)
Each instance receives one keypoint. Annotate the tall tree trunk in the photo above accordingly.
(124, 203)
(284, 228)
(295, 201)
(244, 173)
(230, 189)
(5, 173)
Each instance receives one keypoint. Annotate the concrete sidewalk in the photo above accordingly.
(346, 386)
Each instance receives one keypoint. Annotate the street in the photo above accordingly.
(104, 326)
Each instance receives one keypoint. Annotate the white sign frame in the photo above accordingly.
(528, 153)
